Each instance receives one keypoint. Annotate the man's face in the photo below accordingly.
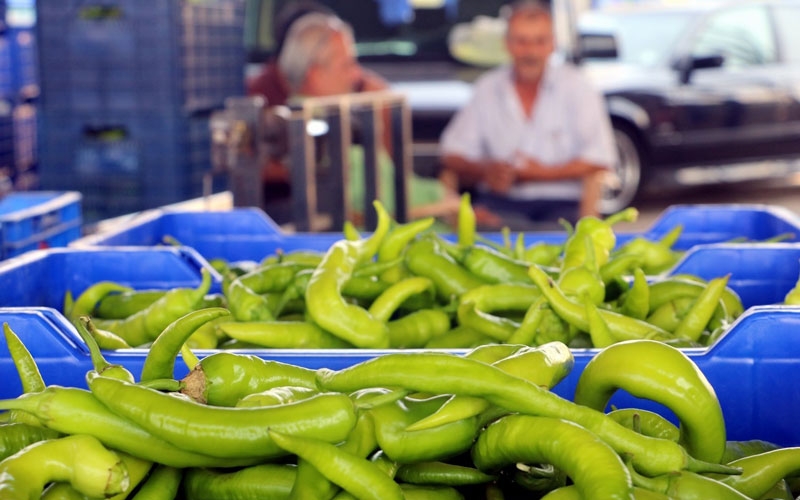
(530, 43)
(339, 72)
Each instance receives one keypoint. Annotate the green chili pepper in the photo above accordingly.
(68, 304)
(734, 450)
(437, 443)
(760, 472)
(162, 484)
(160, 360)
(427, 492)
(647, 423)
(674, 287)
(686, 485)
(545, 366)
(619, 264)
(426, 258)
(541, 478)
(489, 353)
(393, 297)
(125, 303)
(245, 304)
(636, 301)
(99, 363)
(276, 396)
(543, 253)
(694, 323)
(137, 470)
(466, 222)
(145, 325)
(657, 256)
(355, 475)
(398, 238)
(600, 236)
(593, 465)
(225, 432)
(792, 297)
(656, 371)
(329, 310)
(584, 280)
(668, 316)
(442, 473)
(67, 410)
(312, 484)
(599, 333)
(526, 331)
(86, 302)
(80, 460)
(283, 335)
(273, 277)
(476, 305)
(310, 258)
(223, 378)
(104, 338)
(16, 436)
(494, 267)
(29, 374)
(416, 329)
(208, 335)
(573, 493)
(621, 327)
(462, 337)
(441, 373)
(258, 482)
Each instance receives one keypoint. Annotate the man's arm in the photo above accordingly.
(532, 170)
(592, 193)
(498, 176)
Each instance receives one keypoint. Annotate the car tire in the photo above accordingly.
(623, 184)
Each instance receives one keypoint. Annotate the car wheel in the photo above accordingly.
(622, 184)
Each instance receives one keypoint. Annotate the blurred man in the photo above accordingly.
(535, 139)
(318, 59)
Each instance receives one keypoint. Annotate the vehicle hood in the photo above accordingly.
(612, 77)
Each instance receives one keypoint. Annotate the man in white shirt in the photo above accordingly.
(535, 139)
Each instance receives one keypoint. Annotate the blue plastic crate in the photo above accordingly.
(251, 235)
(6, 79)
(753, 367)
(26, 136)
(38, 219)
(43, 277)
(7, 161)
(23, 59)
(124, 162)
(129, 55)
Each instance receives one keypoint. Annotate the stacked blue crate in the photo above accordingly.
(20, 90)
(126, 92)
(7, 169)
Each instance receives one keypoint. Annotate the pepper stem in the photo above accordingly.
(701, 467)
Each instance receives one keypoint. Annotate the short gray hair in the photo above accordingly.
(526, 8)
(307, 44)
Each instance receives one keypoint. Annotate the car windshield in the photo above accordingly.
(643, 38)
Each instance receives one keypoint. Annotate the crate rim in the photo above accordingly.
(61, 199)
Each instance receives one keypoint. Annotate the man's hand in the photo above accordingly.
(499, 177)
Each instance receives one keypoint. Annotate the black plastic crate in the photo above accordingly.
(126, 55)
(124, 162)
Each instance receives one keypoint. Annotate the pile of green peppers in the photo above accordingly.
(405, 286)
(409, 425)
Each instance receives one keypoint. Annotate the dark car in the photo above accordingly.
(692, 85)
(698, 86)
